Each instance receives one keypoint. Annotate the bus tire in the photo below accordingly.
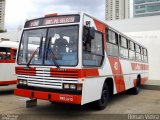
(136, 89)
(102, 103)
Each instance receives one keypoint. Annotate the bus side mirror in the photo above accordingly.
(91, 32)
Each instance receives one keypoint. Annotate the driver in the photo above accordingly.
(61, 44)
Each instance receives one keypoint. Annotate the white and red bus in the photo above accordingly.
(77, 60)
(8, 51)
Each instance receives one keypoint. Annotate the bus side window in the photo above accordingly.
(138, 53)
(123, 47)
(14, 54)
(5, 54)
(145, 55)
(112, 43)
(132, 54)
(142, 54)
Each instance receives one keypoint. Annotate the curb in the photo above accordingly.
(151, 87)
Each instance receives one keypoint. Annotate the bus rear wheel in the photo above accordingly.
(136, 89)
(102, 103)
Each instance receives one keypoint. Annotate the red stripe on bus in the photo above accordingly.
(137, 66)
(146, 67)
(26, 71)
(61, 72)
(55, 97)
(100, 27)
(7, 61)
(11, 82)
(135, 82)
(143, 80)
(89, 73)
(73, 73)
(117, 73)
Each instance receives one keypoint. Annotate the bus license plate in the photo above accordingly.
(66, 98)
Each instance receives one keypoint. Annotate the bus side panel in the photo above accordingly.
(106, 70)
(7, 72)
(92, 88)
(146, 74)
(139, 69)
(128, 77)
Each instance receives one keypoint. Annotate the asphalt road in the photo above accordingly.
(121, 105)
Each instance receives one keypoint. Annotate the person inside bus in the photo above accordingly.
(60, 45)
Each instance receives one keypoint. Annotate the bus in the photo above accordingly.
(78, 60)
(8, 51)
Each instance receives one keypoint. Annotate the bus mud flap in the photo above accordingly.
(31, 103)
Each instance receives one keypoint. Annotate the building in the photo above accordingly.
(142, 8)
(117, 9)
(146, 32)
(2, 14)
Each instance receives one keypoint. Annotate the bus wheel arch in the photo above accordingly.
(135, 90)
(109, 82)
(138, 81)
(107, 92)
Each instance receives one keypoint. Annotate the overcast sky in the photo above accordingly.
(17, 11)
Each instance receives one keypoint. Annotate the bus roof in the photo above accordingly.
(9, 44)
(118, 32)
(34, 22)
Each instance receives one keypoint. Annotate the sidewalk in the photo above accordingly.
(152, 85)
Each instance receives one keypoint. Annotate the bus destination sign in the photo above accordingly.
(52, 21)
(59, 20)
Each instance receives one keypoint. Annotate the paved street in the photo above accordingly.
(147, 102)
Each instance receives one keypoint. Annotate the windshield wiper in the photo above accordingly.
(28, 63)
(54, 60)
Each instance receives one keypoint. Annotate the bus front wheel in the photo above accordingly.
(102, 103)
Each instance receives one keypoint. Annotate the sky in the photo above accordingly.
(18, 11)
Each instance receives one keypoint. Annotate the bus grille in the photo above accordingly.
(46, 78)
(64, 74)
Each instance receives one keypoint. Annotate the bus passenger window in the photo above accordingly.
(123, 47)
(5, 54)
(142, 54)
(15, 52)
(145, 55)
(112, 43)
(138, 51)
(132, 54)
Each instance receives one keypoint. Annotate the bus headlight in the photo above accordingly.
(66, 86)
(20, 81)
(71, 86)
(23, 82)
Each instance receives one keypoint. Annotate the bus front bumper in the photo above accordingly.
(50, 96)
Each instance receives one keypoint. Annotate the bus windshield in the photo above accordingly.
(56, 46)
